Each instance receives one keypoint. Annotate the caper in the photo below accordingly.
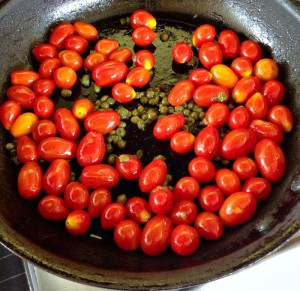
(134, 119)
(171, 109)
(144, 116)
(66, 93)
(10, 146)
(96, 88)
(178, 108)
(149, 93)
(121, 144)
(122, 124)
(141, 124)
(111, 101)
(104, 105)
(164, 37)
(164, 109)
(127, 19)
(111, 159)
(109, 148)
(186, 112)
(121, 132)
(154, 100)
(123, 21)
(122, 198)
(72, 176)
(85, 80)
(104, 98)
(139, 154)
(152, 115)
(165, 101)
(144, 100)
(195, 115)
(159, 157)
(140, 109)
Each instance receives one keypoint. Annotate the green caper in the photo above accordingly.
(144, 116)
(141, 124)
(85, 80)
(164, 110)
(186, 112)
(149, 93)
(96, 88)
(139, 154)
(122, 124)
(111, 101)
(134, 112)
(121, 132)
(10, 146)
(178, 108)
(66, 93)
(164, 37)
(165, 101)
(109, 148)
(134, 119)
(121, 144)
(154, 100)
(144, 100)
(104, 98)
(122, 198)
(111, 159)
(152, 115)
(159, 157)
(127, 19)
(140, 109)
(104, 105)
(123, 21)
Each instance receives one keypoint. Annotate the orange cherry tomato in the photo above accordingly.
(82, 108)
(242, 67)
(143, 36)
(138, 77)
(122, 55)
(123, 93)
(182, 92)
(44, 51)
(222, 75)
(86, 30)
(145, 59)
(200, 77)
(9, 112)
(210, 54)
(21, 94)
(24, 124)
(60, 33)
(227, 181)
(48, 67)
(24, 77)
(76, 43)
(93, 60)
(281, 116)
(257, 106)
(106, 46)
(202, 34)
(217, 115)
(78, 222)
(266, 70)
(65, 78)
(245, 168)
(27, 150)
(229, 42)
(142, 18)
(71, 59)
(250, 49)
(182, 142)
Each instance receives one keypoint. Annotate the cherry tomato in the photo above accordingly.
(24, 77)
(259, 187)
(184, 240)
(145, 59)
(98, 200)
(181, 93)
(257, 106)
(123, 93)
(281, 116)
(210, 54)
(10, 110)
(182, 52)
(209, 225)
(183, 212)
(44, 51)
(242, 67)
(103, 121)
(182, 142)
(211, 198)
(238, 208)
(122, 55)
(245, 168)
(138, 210)
(273, 91)
(237, 143)
(186, 188)
(200, 77)
(60, 33)
(48, 67)
(24, 124)
(64, 77)
(76, 43)
(98, 176)
(238, 118)
(127, 235)
(202, 169)
(112, 215)
(152, 175)
(93, 60)
(109, 73)
(27, 150)
(56, 177)
(91, 149)
(143, 36)
(71, 59)
(156, 235)
(222, 75)
(21, 94)
(227, 181)
(270, 159)
(207, 143)
(76, 196)
(250, 49)
(265, 129)
(217, 115)
(30, 180)
(138, 77)
(53, 207)
(208, 94)
(203, 33)
(106, 46)
(167, 126)
(82, 108)
(85, 30)
(266, 70)
(43, 87)
(142, 18)
(245, 88)
(43, 107)
(128, 166)
(43, 129)
(66, 124)
(78, 222)
(229, 43)
(161, 200)
(55, 148)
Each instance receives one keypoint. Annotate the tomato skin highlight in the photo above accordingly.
(10, 110)
(21, 94)
(53, 207)
(143, 36)
(182, 92)
(78, 222)
(60, 33)
(27, 150)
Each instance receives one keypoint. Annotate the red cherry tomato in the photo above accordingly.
(106, 46)
(142, 18)
(60, 33)
(71, 59)
(109, 73)
(186, 188)
(64, 77)
(250, 49)
(145, 59)
(238, 118)
(202, 169)
(123, 93)
(211, 198)
(257, 106)
(128, 166)
(85, 30)
(222, 75)
(245, 168)
(138, 77)
(217, 115)
(161, 200)
(78, 222)
(27, 150)
(237, 143)
(103, 121)
(43, 107)
(242, 67)
(229, 42)
(238, 208)
(48, 67)
(202, 34)
(24, 77)
(21, 94)
(30, 180)
(156, 235)
(210, 54)
(76, 196)
(53, 207)
(259, 187)
(282, 117)
(138, 210)
(91, 149)
(9, 111)
(270, 159)
(98, 176)
(127, 235)
(200, 77)
(43, 87)
(82, 108)
(227, 181)
(56, 177)
(184, 240)
(182, 142)
(182, 92)
(209, 225)
(266, 69)
(112, 215)
(93, 60)
(183, 212)
(122, 55)
(273, 91)
(23, 124)
(56, 148)
(98, 200)
(182, 52)
(143, 36)
(167, 126)
(44, 51)
(152, 175)
(43, 129)
(207, 143)
(76, 43)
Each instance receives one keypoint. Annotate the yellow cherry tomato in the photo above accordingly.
(266, 70)
(222, 75)
(23, 124)
(82, 108)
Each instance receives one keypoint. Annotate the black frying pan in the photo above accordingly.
(276, 25)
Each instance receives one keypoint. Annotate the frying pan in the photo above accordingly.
(273, 23)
